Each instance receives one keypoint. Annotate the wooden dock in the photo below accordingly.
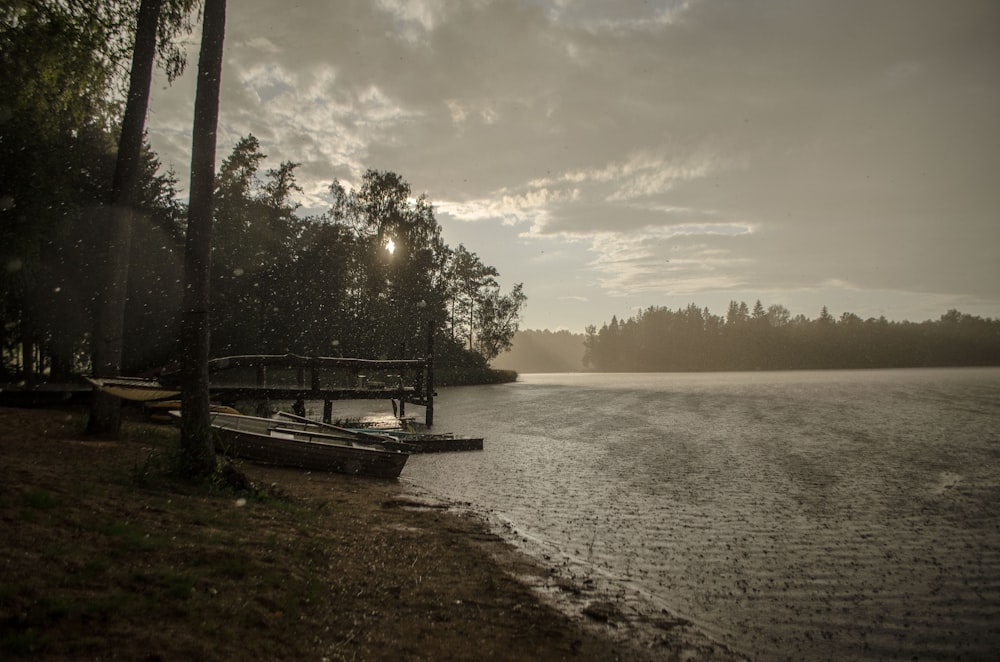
(265, 377)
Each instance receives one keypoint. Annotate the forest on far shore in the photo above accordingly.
(692, 339)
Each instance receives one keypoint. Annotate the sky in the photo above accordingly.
(618, 155)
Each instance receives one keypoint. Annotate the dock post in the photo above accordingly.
(327, 411)
(429, 411)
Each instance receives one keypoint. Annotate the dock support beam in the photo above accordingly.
(429, 411)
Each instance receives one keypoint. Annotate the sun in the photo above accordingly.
(390, 246)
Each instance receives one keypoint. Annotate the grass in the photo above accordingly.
(115, 550)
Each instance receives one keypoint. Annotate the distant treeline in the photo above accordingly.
(692, 339)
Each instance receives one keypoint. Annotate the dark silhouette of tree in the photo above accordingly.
(483, 318)
(468, 279)
(198, 454)
(256, 230)
(54, 170)
(279, 282)
(497, 320)
(658, 339)
(400, 257)
(105, 409)
(59, 79)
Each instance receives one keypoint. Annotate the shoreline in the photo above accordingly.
(628, 614)
(316, 565)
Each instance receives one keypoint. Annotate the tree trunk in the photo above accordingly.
(28, 350)
(105, 409)
(198, 454)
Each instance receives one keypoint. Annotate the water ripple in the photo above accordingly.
(840, 515)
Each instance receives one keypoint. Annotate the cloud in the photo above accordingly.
(777, 145)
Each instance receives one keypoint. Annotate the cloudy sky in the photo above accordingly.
(617, 155)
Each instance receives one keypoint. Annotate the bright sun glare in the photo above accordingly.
(390, 246)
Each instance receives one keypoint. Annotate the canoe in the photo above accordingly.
(270, 441)
(133, 388)
(413, 442)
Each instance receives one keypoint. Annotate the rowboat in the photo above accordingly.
(412, 442)
(369, 437)
(285, 443)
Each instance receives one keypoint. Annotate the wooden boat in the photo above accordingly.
(270, 441)
(438, 443)
(368, 437)
(413, 442)
(133, 388)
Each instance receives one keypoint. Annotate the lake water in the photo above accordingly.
(789, 515)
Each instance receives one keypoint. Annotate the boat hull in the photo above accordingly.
(299, 453)
(268, 441)
(133, 388)
(411, 442)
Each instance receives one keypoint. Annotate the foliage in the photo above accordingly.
(58, 79)
(280, 282)
(328, 285)
(496, 320)
(393, 291)
(469, 278)
(692, 339)
(483, 318)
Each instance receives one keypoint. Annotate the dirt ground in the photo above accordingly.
(105, 556)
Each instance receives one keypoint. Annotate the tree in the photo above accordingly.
(60, 77)
(498, 320)
(591, 347)
(54, 82)
(198, 455)
(393, 291)
(469, 281)
(253, 251)
(105, 410)
(778, 315)
(156, 271)
(317, 290)
(737, 313)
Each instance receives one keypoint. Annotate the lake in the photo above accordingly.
(789, 515)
